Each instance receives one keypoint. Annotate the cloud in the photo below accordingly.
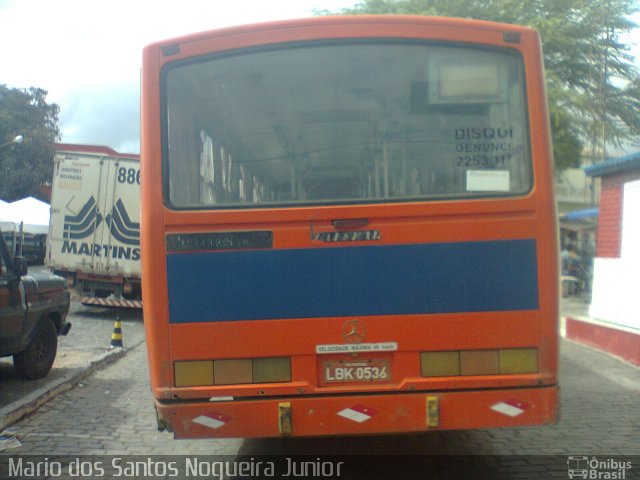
(87, 53)
(108, 115)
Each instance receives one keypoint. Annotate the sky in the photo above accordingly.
(87, 53)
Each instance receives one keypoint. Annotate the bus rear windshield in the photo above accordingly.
(339, 123)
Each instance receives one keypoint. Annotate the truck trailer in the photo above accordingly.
(94, 233)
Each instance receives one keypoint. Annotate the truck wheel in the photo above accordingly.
(36, 360)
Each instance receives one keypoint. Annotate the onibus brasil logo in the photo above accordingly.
(599, 468)
(80, 227)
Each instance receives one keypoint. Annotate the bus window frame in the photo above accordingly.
(424, 199)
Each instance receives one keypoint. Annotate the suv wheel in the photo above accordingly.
(36, 360)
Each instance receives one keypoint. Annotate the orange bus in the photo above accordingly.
(348, 227)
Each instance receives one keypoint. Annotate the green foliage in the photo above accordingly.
(593, 84)
(567, 146)
(26, 167)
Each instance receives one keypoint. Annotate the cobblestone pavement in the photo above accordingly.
(112, 413)
(599, 415)
(89, 338)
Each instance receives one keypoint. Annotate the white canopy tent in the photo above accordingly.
(32, 213)
(5, 226)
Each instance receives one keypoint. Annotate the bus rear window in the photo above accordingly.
(339, 123)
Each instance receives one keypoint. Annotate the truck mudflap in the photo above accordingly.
(110, 302)
(359, 414)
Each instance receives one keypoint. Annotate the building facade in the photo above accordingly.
(614, 313)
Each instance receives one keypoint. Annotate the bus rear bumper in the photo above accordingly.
(360, 414)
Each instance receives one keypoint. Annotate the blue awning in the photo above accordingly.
(613, 165)
(580, 214)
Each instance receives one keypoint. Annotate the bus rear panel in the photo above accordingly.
(348, 227)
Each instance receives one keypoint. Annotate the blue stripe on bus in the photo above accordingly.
(353, 281)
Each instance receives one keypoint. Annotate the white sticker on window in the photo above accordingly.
(487, 180)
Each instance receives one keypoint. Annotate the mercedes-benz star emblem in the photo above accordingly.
(353, 331)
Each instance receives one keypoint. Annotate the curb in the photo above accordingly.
(31, 402)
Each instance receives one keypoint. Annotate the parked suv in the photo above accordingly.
(33, 312)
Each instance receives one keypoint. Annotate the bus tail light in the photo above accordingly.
(440, 364)
(519, 360)
(232, 371)
(479, 362)
(193, 374)
(271, 370)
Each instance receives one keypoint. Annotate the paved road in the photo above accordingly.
(112, 414)
(89, 338)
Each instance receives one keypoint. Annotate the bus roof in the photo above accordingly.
(451, 22)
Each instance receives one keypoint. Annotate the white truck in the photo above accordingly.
(94, 232)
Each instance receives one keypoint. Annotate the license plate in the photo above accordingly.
(356, 371)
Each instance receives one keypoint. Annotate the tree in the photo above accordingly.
(592, 82)
(26, 167)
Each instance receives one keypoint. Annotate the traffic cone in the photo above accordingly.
(116, 336)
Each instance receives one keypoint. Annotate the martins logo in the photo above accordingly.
(79, 232)
(121, 226)
(84, 223)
